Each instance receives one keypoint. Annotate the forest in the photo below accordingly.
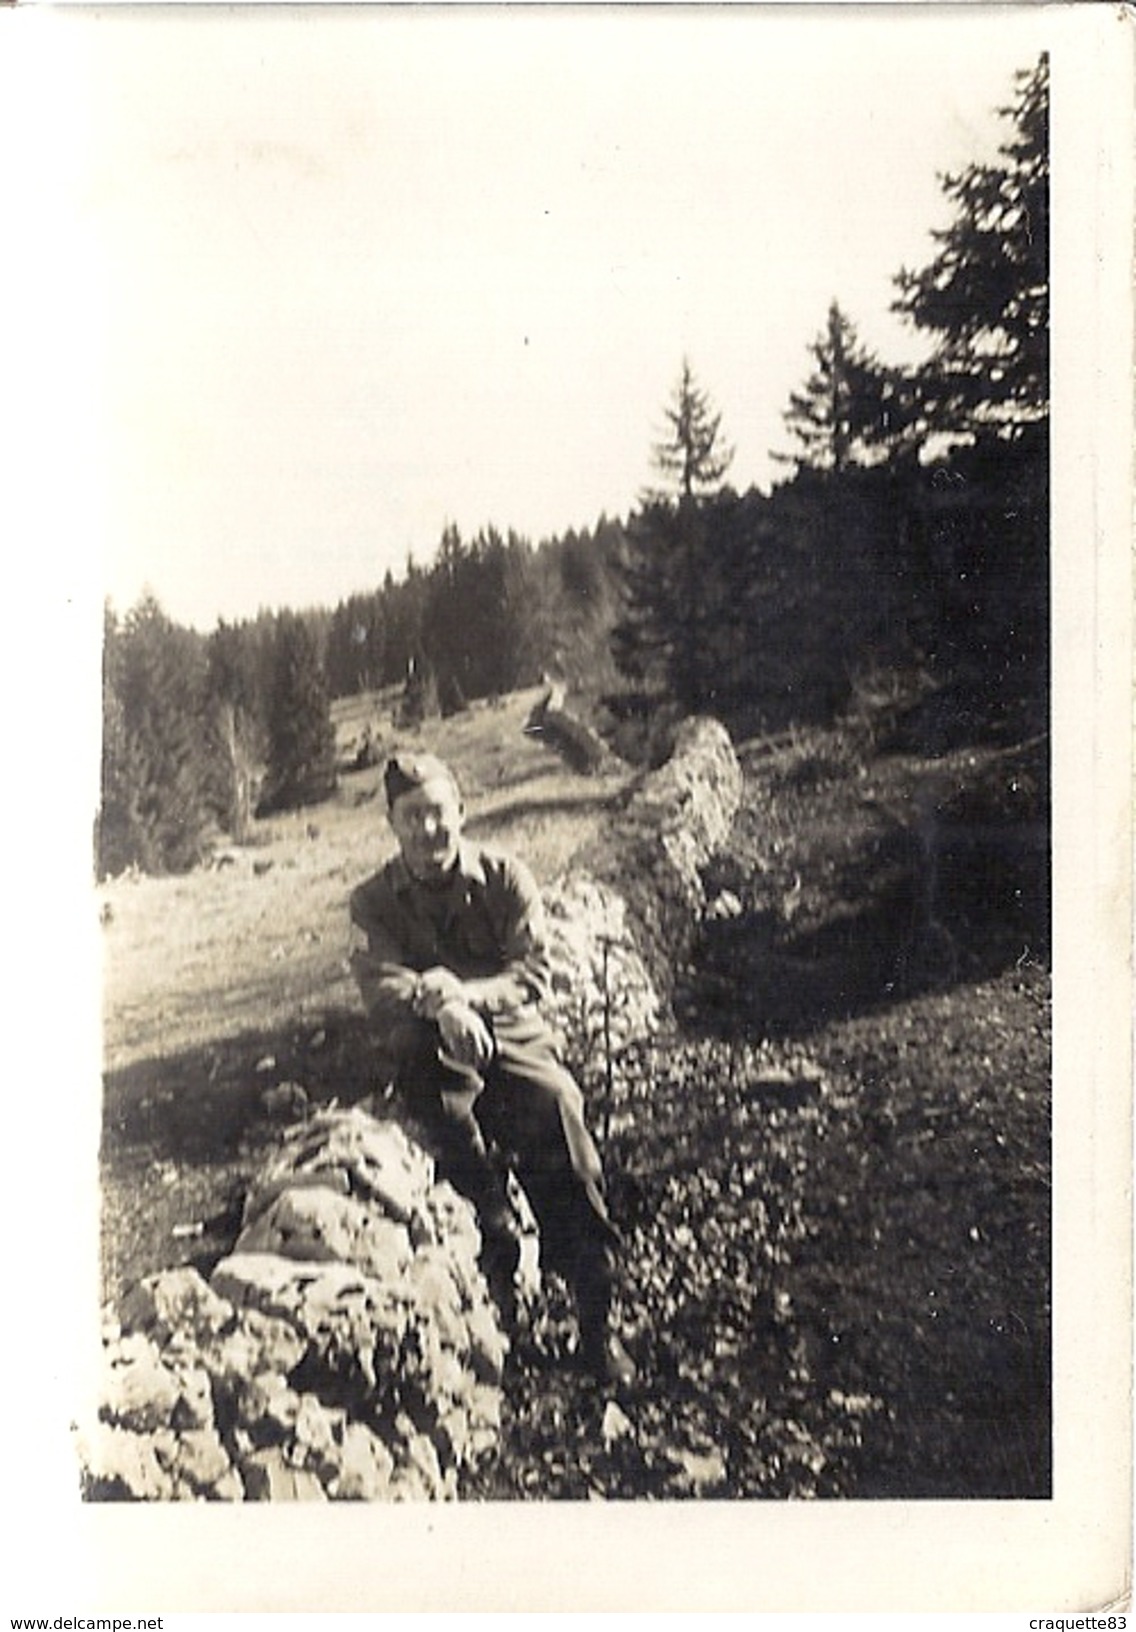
(900, 569)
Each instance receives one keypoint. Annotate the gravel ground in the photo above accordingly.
(837, 1266)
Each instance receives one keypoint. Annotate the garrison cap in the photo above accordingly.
(406, 771)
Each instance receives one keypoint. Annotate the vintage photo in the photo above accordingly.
(574, 850)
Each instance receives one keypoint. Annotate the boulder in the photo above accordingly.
(119, 1465)
(202, 1462)
(352, 1153)
(170, 1301)
(366, 1467)
(140, 1392)
(270, 1477)
(322, 1226)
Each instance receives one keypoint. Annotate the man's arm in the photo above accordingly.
(515, 904)
(388, 986)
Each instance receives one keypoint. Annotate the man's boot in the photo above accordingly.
(468, 1164)
(500, 1258)
(601, 1352)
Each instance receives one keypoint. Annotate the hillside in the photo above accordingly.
(260, 938)
(833, 1175)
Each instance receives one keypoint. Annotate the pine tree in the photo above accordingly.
(120, 831)
(677, 585)
(237, 719)
(985, 296)
(356, 645)
(850, 410)
(301, 739)
(154, 806)
(978, 535)
(694, 456)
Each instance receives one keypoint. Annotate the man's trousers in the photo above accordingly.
(529, 1107)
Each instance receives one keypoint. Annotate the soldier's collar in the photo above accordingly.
(468, 869)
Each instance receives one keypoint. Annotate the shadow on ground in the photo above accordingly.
(182, 1135)
(586, 802)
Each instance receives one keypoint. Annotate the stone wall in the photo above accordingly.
(348, 1347)
(624, 915)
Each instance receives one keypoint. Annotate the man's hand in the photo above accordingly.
(436, 988)
(465, 1035)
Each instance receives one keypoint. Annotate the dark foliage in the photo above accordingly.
(154, 812)
(482, 626)
(237, 722)
(301, 740)
(357, 645)
(851, 409)
(677, 612)
(676, 564)
(985, 296)
(419, 701)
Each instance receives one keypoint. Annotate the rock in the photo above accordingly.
(286, 1099)
(229, 1488)
(319, 1225)
(165, 1443)
(313, 1427)
(258, 1343)
(353, 1325)
(488, 1344)
(375, 1159)
(452, 1436)
(484, 1406)
(422, 1458)
(194, 1407)
(651, 853)
(139, 1392)
(263, 1281)
(699, 1470)
(448, 1376)
(366, 1467)
(616, 1424)
(268, 1189)
(173, 1301)
(202, 1460)
(119, 1465)
(268, 1409)
(269, 1477)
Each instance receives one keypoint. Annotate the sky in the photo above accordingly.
(352, 276)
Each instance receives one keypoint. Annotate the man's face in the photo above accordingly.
(427, 824)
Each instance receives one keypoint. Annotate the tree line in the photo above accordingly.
(909, 536)
(205, 732)
(912, 531)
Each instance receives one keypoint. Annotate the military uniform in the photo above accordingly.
(484, 922)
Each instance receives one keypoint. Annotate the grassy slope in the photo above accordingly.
(262, 941)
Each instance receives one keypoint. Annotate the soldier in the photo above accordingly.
(452, 975)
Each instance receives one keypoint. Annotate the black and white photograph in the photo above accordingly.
(585, 605)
